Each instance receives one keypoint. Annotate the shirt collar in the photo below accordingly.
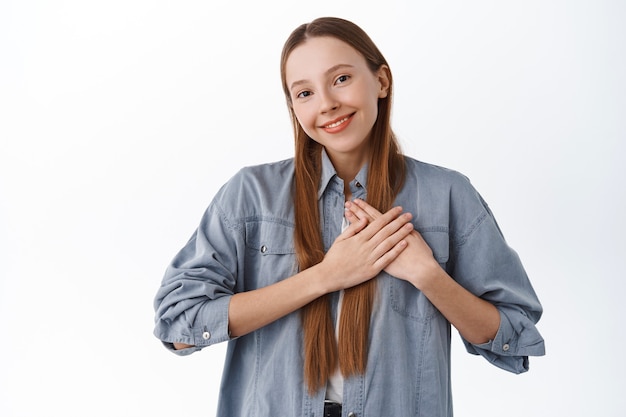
(329, 174)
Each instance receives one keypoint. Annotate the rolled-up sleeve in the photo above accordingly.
(483, 263)
(191, 305)
(516, 340)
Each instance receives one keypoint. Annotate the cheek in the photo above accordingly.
(310, 132)
(373, 106)
(308, 126)
(305, 118)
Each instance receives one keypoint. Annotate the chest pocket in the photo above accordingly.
(270, 252)
(408, 300)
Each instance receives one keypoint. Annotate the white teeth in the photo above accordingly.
(330, 126)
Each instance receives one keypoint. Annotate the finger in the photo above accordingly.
(396, 230)
(392, 233)
(355, 226)
(357, 211)
(391, 247)
(390, 253)
(370, 210)
(351, 217)
(377, 225)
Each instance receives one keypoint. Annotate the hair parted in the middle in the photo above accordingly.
(385, 178)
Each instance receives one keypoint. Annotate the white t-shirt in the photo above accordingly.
(334, 387)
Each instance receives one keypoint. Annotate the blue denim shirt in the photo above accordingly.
(245, 242)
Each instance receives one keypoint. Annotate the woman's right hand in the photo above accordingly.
(365, 248)
(358, 254)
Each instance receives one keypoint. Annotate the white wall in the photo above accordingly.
(120, 119)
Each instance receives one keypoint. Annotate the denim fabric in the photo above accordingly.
(245, 241)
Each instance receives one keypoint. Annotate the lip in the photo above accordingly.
(338, 124)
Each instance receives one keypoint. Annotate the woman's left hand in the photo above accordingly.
(476, 319)
(415, 264)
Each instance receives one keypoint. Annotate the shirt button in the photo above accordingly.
(263, 249)
(506, 347)
(206, 335)
(351, 414)
(358, 185)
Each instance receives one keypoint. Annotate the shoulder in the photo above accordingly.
(283, 168)
(435, 176)
(272, 170)
(257, 188)
(260, 177)
(443, 196)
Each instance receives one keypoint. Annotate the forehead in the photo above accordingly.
(316, 55)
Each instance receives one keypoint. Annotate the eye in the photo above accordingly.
(342, 79)
(304, 94)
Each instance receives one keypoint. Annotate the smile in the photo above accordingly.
(335, 124)
(338, 125)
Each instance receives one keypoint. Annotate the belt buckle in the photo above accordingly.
(332, 409)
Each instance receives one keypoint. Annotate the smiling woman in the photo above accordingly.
(334, 98)
(334, 276)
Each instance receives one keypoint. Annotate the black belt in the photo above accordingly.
(332, 409)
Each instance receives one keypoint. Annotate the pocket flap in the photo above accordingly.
(270, 237)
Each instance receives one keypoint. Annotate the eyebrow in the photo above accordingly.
(328, 71)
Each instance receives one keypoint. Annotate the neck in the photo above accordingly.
(347, 166)
(347, 174)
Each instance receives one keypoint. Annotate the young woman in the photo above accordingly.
(334, 276)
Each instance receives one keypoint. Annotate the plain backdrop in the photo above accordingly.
(119, 120)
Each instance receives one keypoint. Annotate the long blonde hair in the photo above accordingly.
(385, 178)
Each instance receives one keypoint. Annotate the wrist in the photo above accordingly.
(179, 346)
(322, 279)
(429, 278)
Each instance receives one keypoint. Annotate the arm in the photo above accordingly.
(254, 309)
(476, 319)
(489, 279)
(358, 254)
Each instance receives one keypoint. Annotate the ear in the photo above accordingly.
(383, 75)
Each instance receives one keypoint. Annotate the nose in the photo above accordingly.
(328, 102)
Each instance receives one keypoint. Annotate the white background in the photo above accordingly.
(119, 120)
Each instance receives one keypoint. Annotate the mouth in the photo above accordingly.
(338, 124)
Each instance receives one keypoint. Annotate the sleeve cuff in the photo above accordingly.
(211, 324)
(517, 339)
(210, 327)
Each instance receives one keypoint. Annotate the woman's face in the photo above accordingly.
(335, 95)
